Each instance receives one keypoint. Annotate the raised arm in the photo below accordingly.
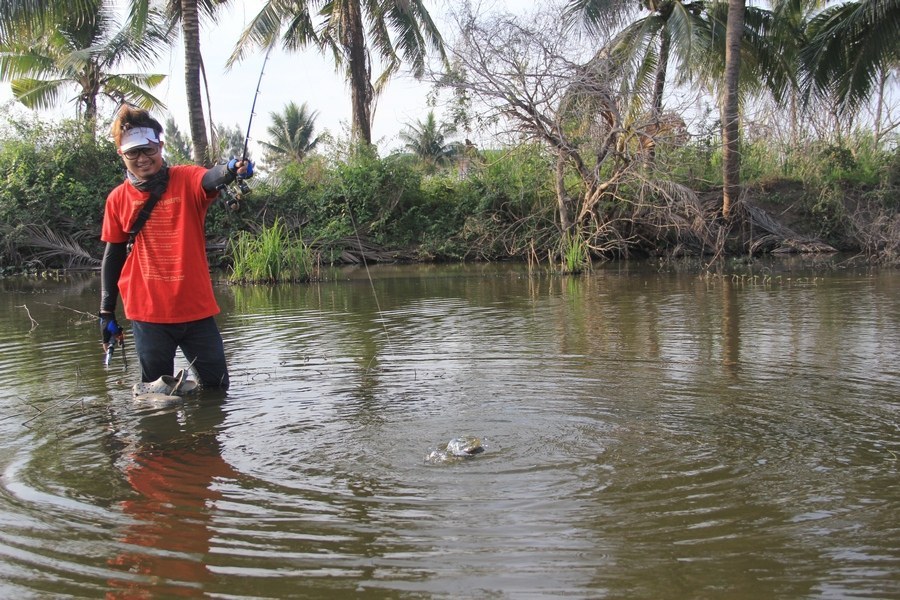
(225, 173)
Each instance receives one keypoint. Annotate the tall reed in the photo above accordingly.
(271, 256)
(574, 253)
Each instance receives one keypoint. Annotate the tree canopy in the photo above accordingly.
(351, 31)
(291, 135)
(44, 58)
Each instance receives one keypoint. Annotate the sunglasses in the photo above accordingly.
(147, 151)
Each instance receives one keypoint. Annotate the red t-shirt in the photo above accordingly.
(166, 277)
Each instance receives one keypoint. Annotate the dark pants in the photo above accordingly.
(200, 341)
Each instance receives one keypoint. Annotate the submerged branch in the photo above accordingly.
(34, 324)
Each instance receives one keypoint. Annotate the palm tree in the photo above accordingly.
(428, 141)
(716, 43)
(227, 141)
(851, 46)
(690, 31)
(190, 32)
(82, 51)
(141, 20)
(186, 14)
(672, 28)
(731, 155)
(291, 135)
(350, 30)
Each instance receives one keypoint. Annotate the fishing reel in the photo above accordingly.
(233, 194)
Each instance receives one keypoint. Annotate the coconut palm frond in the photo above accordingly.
(677, 194)
(850, 45)
(680, 210)
(598, 17)
(135, 89)
(57, 245)
(387, 29)
(36, 93)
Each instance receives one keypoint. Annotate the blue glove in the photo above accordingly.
(109, 329)
(233, 167)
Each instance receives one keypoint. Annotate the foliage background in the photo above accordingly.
(498, 205)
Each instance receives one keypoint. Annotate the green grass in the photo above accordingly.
(271, 256)
(574, 253)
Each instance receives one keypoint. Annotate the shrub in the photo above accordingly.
(55, 174)
(361, 195)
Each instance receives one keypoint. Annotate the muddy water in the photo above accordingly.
(648, 434)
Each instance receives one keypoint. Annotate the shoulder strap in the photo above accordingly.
(142, 217)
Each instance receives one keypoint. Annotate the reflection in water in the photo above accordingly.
(173, 466)
(731, 327)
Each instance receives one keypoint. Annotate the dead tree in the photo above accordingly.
(528, 77)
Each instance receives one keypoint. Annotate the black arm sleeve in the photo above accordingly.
(110, 268)
(216, 176)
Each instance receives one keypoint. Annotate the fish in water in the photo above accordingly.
(457, 449)
(164, 392)
(156, 401)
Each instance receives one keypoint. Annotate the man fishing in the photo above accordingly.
(153, 226)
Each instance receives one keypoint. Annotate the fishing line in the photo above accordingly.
(362, 255)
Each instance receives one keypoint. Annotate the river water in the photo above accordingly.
(649, 433)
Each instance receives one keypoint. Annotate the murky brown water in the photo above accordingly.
(649, 435)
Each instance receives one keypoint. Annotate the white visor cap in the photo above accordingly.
(137, 137)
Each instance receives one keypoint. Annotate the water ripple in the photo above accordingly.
(646, 436)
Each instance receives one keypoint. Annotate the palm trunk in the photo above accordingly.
(360, 84)
(795, 131)
(879, 107)
(190, 24)
(90, 114)
(731, 152)
(658, 87)
(90, 92)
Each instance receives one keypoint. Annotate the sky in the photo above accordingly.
(301, 77)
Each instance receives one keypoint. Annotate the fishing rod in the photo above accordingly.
(262, 72)
(234, 198)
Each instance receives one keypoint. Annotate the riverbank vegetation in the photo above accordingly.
(587, 147)
(494, 205)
